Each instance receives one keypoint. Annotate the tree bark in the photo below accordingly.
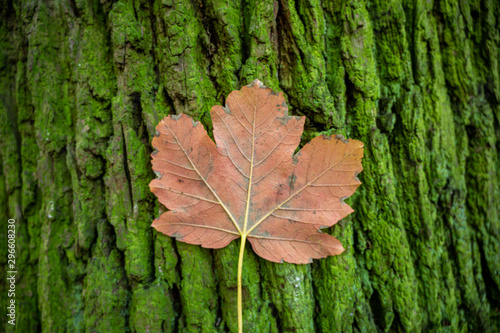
(84, 83)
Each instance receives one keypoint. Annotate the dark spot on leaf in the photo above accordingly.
(291, 180)
(265, 233)
(177, 235)
(284, 120)
(180, 180)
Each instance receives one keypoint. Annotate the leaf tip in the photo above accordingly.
(256, 83)
(226, 109)
(155, 223)
(341, 138)
(356, 176)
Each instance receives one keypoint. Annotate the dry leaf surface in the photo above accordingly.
(250, 183)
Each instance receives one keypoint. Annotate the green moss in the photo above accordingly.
(166, 260)
(302, 62)
(260, 61)
(106, 294)
(182, 59)
(337, 288)
(152, 309)
(257, 303)
(198, 290)
(290, 290)
(224, 45)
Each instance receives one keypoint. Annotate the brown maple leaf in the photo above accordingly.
(250, 185)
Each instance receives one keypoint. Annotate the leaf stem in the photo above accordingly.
(240, 267)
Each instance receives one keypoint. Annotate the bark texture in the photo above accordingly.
(83, 84)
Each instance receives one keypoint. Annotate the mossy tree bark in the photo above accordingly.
(83, 84)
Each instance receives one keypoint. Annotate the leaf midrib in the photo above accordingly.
(250, 176)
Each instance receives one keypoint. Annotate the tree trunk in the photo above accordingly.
(84, 83)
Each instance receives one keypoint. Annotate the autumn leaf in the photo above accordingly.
(250, 184)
